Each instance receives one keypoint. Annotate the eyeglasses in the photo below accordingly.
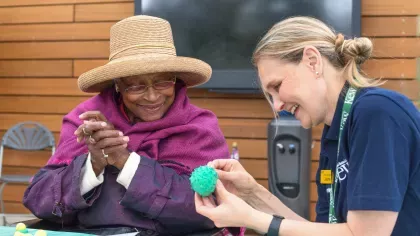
(139, 89)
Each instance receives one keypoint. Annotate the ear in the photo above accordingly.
(312, 59)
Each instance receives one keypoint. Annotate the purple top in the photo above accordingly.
(159, 197)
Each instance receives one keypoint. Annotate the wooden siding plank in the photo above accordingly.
(312, 213)
(50, 32)
(35, 68)
(232, 108)
(203, 93)
(254, 108)
(314, 168)
(390, 68)
(35, 104)
(68, 86)
(6, 3)
(36, 14)
(316, 150)
(232, 128)
(18, 170)
(396, 47)
(389, 26)
(257, 168)
(41, 86)
(14, 192)
(54, 50)
(103, 12)
(390, 7)
(35, 159)
(52, 122)
(82, 66)
(313, 192)
(248, 149)
(410, 88)
(15, 208)
(384, 68)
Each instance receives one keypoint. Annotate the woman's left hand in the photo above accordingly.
(230, 210)
(94, 124)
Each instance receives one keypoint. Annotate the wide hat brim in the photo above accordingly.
(192, 71)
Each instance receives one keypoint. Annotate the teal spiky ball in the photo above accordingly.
(203, 180)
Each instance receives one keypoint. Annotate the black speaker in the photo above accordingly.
(289, 163)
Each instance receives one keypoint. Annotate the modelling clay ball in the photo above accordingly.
(203, 180)
(40, 233)
(17, 233)
(20, 226)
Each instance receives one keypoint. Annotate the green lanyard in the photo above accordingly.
(348, 101)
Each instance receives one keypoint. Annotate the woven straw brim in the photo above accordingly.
(192, 71)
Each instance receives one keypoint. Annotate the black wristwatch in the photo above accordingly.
(274, 228)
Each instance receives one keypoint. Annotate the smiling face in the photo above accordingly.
(293, 87)
(151, 104)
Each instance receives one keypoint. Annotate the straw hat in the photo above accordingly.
(142, 45)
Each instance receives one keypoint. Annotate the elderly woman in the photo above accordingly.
(125, 155)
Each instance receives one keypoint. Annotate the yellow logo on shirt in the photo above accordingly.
(326, 177)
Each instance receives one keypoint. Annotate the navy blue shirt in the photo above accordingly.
(379, 159)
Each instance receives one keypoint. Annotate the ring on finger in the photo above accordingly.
(84, 131)
(105, 155)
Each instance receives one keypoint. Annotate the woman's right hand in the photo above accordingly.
(234, 177)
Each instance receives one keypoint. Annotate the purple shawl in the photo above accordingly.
(185, 138)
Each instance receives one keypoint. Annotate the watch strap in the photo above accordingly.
(274, 228)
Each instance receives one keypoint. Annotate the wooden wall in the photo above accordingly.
(46, 44)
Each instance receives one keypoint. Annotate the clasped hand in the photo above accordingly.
(107, 146)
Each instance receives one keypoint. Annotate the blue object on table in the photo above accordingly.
(9, 231)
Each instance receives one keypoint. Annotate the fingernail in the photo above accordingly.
(126, 138)
(81, 115)
(85, 122)
(103, 124)
(120, 133)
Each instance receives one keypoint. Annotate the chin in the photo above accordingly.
(150, 118)
(306, 125)
(306, 122)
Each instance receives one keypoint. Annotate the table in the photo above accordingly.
(9, 231)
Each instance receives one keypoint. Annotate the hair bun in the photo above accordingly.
(359, 49)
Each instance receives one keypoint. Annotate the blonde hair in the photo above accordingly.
(287, 39)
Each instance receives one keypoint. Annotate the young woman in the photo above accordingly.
(369, 173)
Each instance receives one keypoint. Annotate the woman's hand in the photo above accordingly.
(106, 144)
(234, 177)
(230, 210)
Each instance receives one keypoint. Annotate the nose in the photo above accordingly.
(151, 94)
(278, 105)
